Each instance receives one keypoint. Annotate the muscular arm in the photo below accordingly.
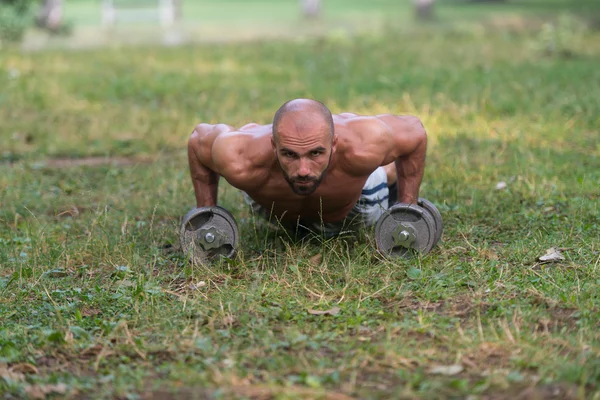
(402, 141)
(204, 174)
(407, 151)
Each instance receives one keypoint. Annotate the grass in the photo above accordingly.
(96, 300)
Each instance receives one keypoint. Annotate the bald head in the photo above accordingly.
(304, 143)
(304, 116)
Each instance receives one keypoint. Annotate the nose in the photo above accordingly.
(303, 169)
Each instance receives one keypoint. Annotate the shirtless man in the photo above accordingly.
(310, 168)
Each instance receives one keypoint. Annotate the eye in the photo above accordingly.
(316, 153)
(289, 154)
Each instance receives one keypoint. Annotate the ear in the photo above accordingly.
(273, 144)
(334, 142)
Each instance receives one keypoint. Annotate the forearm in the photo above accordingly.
(204, 180)
(409, 172)
(206, 192)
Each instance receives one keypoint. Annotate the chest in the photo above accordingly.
(332, 200)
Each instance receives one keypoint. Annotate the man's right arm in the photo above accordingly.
(205, 177)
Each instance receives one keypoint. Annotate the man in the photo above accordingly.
(312, 169)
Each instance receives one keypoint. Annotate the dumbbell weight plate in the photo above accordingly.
(437, 217)
(208, 233)
(404, 230)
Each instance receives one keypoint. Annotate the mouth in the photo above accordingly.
(304, 187)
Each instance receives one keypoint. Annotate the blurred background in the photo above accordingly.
(38, 24)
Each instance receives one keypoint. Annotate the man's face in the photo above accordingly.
(304, 157)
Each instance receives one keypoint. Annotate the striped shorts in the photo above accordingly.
(373, 202)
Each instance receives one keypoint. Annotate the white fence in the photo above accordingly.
(162, 11)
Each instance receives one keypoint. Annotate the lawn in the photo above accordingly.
(97, 301)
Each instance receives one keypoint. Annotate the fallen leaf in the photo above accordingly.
(72, 212)
(56, 273)
(69, 337)
(332, 311)
(91, 351)
(316, 259)
(447, 370)
(489, 254)
(407, 362)
(24, 368)
(40, 391)
(552, 254)
(413, 273)
(8, 374)
(197, 286)
(89, 312)
(501, 185)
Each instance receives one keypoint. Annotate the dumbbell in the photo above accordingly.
(208, 233)
(406, 230)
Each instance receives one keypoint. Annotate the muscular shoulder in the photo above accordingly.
(366, 142)
(380, 124)
(238, 155)
(360, 142)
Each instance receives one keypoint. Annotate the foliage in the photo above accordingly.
(563, 37)
(20, 6)
(15, 18)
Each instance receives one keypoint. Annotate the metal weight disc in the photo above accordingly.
(437, 217)
(405, 229)
(208, 233)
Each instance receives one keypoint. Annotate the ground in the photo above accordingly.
(97, 301)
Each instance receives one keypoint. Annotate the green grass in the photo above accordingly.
(96, 300)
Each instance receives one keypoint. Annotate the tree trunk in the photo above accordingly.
(311, 8)
(424, 9)
(50, 16)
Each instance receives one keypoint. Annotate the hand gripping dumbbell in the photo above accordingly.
(208, 233)
(406, 230)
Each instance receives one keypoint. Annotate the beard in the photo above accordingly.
(306, 185)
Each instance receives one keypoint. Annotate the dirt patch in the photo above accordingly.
(365, 333)
(92, 161)
(254, 392)
(180, 394)
(560, 317)
(87, 311)
(541, 392)
(462, 306)
(60, 163)
(488, 356)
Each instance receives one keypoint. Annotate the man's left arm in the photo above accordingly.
(407, 151)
